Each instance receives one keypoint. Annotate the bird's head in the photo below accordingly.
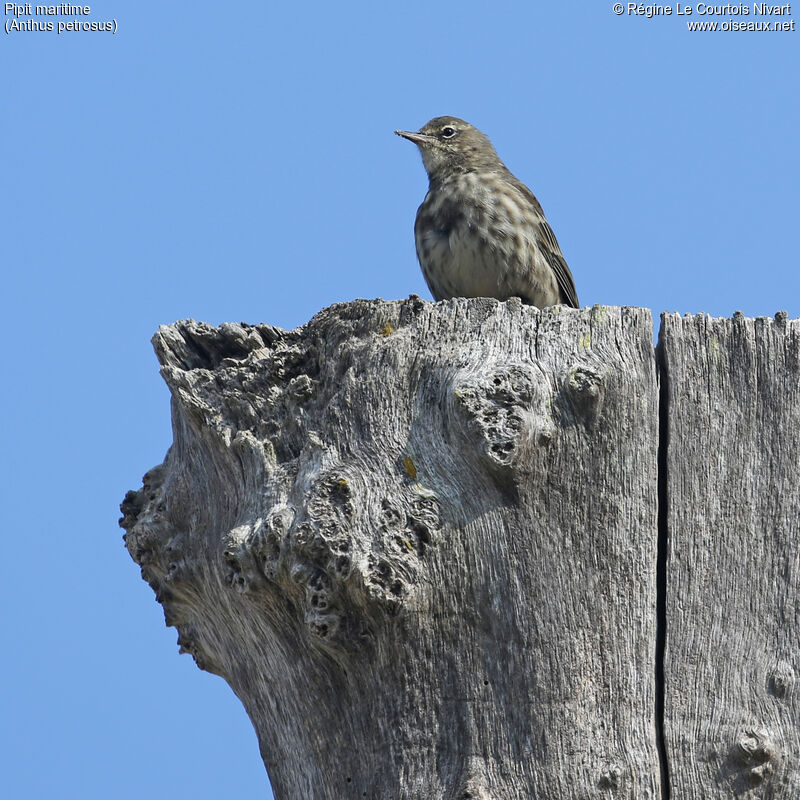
(448, 145)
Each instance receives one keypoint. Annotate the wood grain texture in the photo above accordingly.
(732, 720)
(419, 541)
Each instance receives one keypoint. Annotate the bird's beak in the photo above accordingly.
(413, 136)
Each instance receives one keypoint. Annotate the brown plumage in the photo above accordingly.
(480, 232)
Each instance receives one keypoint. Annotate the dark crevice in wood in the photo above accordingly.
(661, 565)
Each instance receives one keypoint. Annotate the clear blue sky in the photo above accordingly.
(236, 162)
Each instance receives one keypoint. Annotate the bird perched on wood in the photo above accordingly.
(480, 232)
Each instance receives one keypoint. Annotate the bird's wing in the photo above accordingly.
(551, 250)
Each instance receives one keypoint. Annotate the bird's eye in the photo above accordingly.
(448, 132)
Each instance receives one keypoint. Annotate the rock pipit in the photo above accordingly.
(480, 232)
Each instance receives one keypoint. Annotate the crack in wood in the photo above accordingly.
(661, 565)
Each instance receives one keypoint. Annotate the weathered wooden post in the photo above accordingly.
(421, 543)
(731, 391)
